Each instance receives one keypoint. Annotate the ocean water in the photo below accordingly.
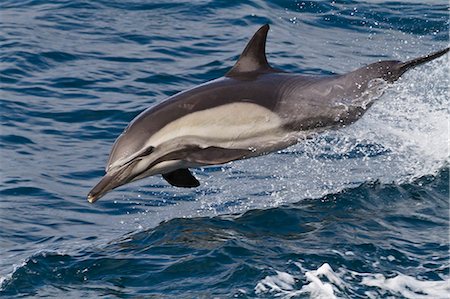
(361, 212)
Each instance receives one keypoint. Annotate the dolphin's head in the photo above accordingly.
(124, 163)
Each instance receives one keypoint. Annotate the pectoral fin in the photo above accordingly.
(181, 178)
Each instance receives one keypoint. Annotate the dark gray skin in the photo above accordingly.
(301, 103)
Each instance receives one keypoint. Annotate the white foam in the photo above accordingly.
(282, 284)
(325, 283)
(412, 122)
(407, 286)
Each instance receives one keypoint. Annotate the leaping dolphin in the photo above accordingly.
(253, 110)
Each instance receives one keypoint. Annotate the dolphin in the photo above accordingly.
(253, 110)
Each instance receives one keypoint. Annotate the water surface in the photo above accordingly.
(356, 213)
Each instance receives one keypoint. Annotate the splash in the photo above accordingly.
(283, 284)
(402, 137)
(324, 282)
(406, 286)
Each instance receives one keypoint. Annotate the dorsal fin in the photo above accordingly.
(253, 58)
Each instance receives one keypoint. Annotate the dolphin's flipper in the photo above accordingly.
(181, 178)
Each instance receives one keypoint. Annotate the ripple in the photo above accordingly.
(14, 139)
(58, 56)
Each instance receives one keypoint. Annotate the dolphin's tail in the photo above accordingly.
(402, 67)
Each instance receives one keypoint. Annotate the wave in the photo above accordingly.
(383, 244)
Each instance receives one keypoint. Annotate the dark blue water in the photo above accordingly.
(358, 213)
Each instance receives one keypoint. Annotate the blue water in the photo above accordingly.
(358, 213)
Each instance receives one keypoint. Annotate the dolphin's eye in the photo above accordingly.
(147, 151)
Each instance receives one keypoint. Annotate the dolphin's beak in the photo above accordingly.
(111, 180)
(106, 184)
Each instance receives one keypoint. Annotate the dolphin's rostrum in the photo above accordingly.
(253, 110)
